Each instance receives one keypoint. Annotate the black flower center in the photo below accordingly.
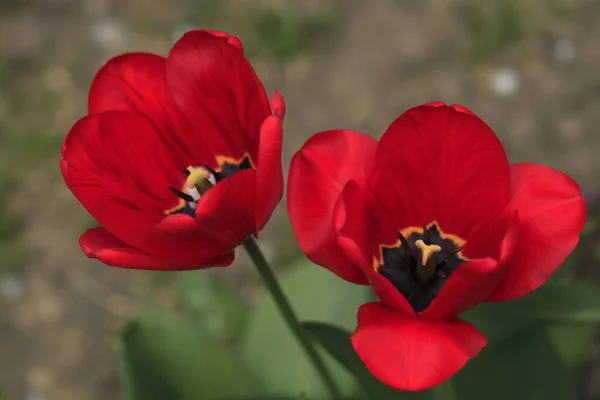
(200, 179)
(421, 262)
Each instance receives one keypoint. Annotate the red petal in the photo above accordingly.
(468, 286)
(132, 82)
(382, 287)
(269, 175)
(116, 165)
(361, 228)
(216, 89)
(136, 82)
(551, 217)
(472, 282)
(278, 105)
(437, 163)
(100, 244)
(224, 218)
(230, 39)
(318, 173)
(410, 353)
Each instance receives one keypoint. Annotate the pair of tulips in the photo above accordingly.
(179, 160)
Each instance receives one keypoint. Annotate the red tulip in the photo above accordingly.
(179, 158)
(437, 221)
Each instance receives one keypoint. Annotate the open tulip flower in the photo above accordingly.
(436, 221)
(179, 158)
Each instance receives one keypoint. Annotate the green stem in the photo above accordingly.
(289, 316)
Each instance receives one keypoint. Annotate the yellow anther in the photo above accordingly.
(427, 251)
(196, 177)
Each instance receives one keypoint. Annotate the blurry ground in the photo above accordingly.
(529, 68)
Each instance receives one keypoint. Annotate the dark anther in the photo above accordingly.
(408, 258)
(426, 237)
(405, 245)
(453, 252)
(187, 172)
(444, 262)
(181, 195)
(212, 171)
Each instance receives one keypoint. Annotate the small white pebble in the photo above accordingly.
(11, 288)
(505, 82)
(35, 395)
(564, 51)
(109, 34)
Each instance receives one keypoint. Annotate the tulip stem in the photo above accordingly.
(289, 315)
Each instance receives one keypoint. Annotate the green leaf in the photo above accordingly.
(337, 342)
(271, 349)
(564, 303)
(215, 301)
(524, 366)
(572, 344)
(166, 356)
(552, 303)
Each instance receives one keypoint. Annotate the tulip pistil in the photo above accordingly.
(428, 262)
(201, 179)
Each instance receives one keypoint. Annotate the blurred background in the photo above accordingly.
(529, 68)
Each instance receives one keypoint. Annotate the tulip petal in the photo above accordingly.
(100, 244)
(472, 282)
(551, 217)
(136, 82)
(224, 218)
(217, 91)
(410, 353)
(441, 164)
(269, 174)
(278, 105)
(317, 176)
(361, 228)
(116, 164)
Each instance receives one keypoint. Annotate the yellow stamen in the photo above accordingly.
(196, 176)
(427, 251)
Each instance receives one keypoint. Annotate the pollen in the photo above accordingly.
(427, 251)
(196, 176)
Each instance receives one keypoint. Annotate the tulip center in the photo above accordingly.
(421, 262)
(200, 179)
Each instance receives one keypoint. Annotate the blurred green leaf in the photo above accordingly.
(315, 294)
(444, 391)
(497, 320)
(524, 366)
(337, 342)
(563, 303)
(166, 356)
(572, 344)
(215, 301)
(554, 302)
